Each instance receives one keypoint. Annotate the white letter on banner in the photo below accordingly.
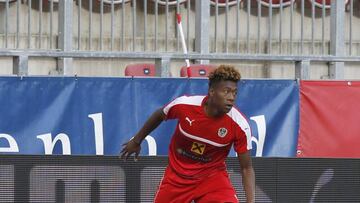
(261, 126)
(98, 130)
(49, 144)
(13, 147)
(151, 145)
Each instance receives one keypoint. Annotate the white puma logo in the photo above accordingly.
(190, 121)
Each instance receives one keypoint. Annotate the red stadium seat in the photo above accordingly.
(222, 3)
(140, 69)
(276, 3)
(96, 4)
(319, 3)
(170, 2)
(197, 70)
(45, 5)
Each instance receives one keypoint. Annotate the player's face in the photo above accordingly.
(223, 95)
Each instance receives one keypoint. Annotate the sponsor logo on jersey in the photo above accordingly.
(222, 132)
(198, 148)
(192, 156)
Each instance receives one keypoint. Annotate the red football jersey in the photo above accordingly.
(200, 143)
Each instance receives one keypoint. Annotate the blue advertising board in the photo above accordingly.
(87, 116)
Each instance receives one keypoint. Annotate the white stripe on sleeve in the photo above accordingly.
(189, 100)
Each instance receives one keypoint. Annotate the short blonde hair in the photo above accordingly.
(223, 73)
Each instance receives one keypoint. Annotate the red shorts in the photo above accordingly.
(216, 188)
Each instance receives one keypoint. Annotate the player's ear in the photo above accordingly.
(211, 91)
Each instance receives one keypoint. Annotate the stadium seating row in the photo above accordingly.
(148, 70)
(220, 3)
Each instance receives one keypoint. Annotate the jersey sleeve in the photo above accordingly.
(242, 142)
(172, 109)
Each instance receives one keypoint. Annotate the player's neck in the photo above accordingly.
(211, 110)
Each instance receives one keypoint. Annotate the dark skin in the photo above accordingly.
(222, 96)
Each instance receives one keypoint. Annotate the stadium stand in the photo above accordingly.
(46, 5)
(169, 2)
(96, 5)
(115, 1)
(130, 31)
(277, 3)
(321, 3)
(222, 3)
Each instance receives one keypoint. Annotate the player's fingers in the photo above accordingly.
(123, 150)
(127, 155)
(122, 155)
(136, 156)
(124, 145)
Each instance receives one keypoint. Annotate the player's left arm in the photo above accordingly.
(248, 176)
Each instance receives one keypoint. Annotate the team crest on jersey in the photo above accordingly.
(198, 148)
(222, 132)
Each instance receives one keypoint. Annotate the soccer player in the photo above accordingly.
(207, 128)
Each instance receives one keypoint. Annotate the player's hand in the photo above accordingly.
(130, 148)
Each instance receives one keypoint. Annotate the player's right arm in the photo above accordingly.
(134, 145)
(169, 111)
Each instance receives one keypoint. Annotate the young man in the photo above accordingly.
(207, 128)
